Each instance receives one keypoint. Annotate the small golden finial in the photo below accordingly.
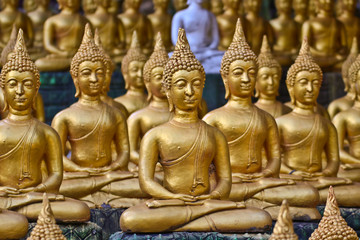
(284, 229)
(266, 59)
(332, 225)
(265, 48)
(305, 49)
(239, 35)
(9, 46)
(351, 65)
(88, 35)
(182, 42)
(159, 44)
(46, 227)
(135, 44)
(20, 43)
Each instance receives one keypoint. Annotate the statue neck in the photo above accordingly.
(252, 15)
(68, 11)
(89, 100)
(230, 11)
(303, 109)
(284, 15)
(350, 95)
(190, 116)
(135, 91)
(16, 115)
(267, 101)
(157, 102)
(324, 14)
(101, 10)
(240, 102)
(132, 10)
(194, 5)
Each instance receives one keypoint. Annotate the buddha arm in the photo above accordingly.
(122, 146)
(149, 152)
(272, 148)
(345, 157)
(121, 31)
(343, 41)
(332, 153)
(223, 168)
(134, 133)
(306, 32)
(49, 36)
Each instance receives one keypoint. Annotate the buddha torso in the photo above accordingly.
(226, 24)
(286, 32)
(133, 102)
(303, 138)
(162, 23)
(353, 130)
(23, 146)
(246, 132)
(91, 131)
(257, 28)
(38, 19)
(135, 21)
(276, 109)
(352, 27)
(340, 105)
(67, 31)
(179, 155)
(8, 19)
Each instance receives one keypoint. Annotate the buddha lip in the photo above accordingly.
(20, 99)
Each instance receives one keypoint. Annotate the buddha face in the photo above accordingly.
(186, 89)
(89, 6)
(283, 5)
(217, 6)
(267, 82)
(114, 6)
(103, 3)
(180, 4)
(155, 84)
(135, 4)
(134, 75)
(30, 5)
(326, 5)
(252, 5)
(306, 88)
(348, 5)
(241, 78)
(300, 6)
(20, 90)
(12, 3)
(163, 4)
(233, 4)
(91, 78)
(72, 4)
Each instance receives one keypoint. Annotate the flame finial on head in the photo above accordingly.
(284, 229)
(332, 225)
(159, 44)
(266, 59)
(46, 227)
(351, 65)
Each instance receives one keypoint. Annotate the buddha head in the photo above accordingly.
(133, 64)
(89, 6)
(269, 74)
(217, 7)
(20, 79)
(110, 66)
(283, 6)
(348, 5)
(104, 3)
(349, 84)
(184, 77)
(88, 67)
(232, 4)
(154, 70)
(71, 4)
(300, 6)
(304, 78)
(325, 5)
(114, 7)
(132, 4)
(252, 5)
(239, 66)
(30, 5)
(162, 4)
(12, 3)
(180, 4)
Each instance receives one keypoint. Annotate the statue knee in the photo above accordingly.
(129, 220)
(80, 211)
(13, 225)
(309, 195)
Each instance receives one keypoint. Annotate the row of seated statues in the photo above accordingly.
(176, 167)
(54, 39)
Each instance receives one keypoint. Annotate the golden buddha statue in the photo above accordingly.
(348, 128)
(89, 6)
(256, 26)
(305, 135)
(284, 229)
(247, 130)
(106, 86)
(26, 143)
(62, 36)
(132, 70)
(161, 22)
(301, 8)
(13, 225)
(157, 112)
(38, 16)
(179, 4)
(267, 83)
(347, 101)
(38, 111)
(216, 7)
(326, 36)
(187, 146)
(332, 225)
(133, 20)
(111, 30)
(349, 20)
(226, 22)
(318, 108)
(91, 126)
(10, 15)
(286, 31)
(114, 7)
(46, 227)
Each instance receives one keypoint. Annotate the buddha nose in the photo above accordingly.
(20, 89)
(245, 78)
(93, 77)
(139, 73)
(309, 87)
(189, 91)
(270, 80)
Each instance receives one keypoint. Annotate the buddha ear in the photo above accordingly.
(257, 93)
(147, 85)
(291, 93)
(77, 89)
(127, 85)
(171, 104)
(6, 106)
(227, 91)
